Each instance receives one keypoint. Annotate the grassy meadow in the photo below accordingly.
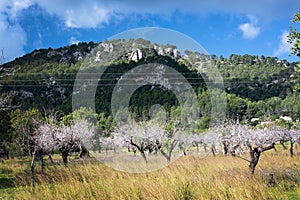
(189, 177)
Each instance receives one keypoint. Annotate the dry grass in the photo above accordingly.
(187, 178)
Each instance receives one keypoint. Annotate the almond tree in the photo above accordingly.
(197, 140)
(44, 141)
(64, 138)
(232, 137)
(44, 144)
(145, 136)
(167, 147)
(73, 136)
(257, 141)
(293, 136)
(108, 143)
(211, 138)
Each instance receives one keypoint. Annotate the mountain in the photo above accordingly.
(256, 86)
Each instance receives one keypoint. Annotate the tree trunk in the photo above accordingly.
(168, 157)
(254, 158)
(144, 156)
(233, 151)
(213, 150)
(140, 149)
(51, 160)
(32, 166)
(282, 144)
(292, 148)
(84, 153)
(64, 155)
(255, 155)
(225, 149)
(184, 152)
(43, 163)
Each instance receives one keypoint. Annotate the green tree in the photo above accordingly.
(80, 114)
(5, 126)
(237, 106)
(105, 124)
(5, 133)
(24, 124)
(294, 37)
(274, 105)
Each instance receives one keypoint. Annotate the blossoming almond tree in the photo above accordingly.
(143, 136)
(293, 136)
(256, 140)
(44, 140)
(64, 138)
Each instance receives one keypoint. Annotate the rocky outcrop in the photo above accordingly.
(136, 55)
(133, 50)
(107, 47)
(169, 51)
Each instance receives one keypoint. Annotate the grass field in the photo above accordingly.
(187, 178)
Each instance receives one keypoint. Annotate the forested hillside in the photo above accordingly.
(256, 86)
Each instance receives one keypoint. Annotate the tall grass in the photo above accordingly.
(187, 178)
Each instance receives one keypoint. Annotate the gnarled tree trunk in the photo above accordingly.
(255, 155)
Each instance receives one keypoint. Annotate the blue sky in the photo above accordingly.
(222, 27)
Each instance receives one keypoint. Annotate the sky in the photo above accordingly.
(221, 27)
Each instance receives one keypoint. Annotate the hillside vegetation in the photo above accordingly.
(256, 86)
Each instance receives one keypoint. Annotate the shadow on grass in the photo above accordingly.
(6, 182)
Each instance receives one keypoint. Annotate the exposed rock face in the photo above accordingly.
(172, 52)
(176, 53)
(159, 50)
(53, 53)
(97, 58)
(135, 49)
(107, 47)
(78, 55)
(136, 55)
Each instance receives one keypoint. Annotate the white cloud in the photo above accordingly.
(87, 18)
(73, 40)
(13, 39)
(283, 47)
(249, 30)
(18, 5)
(79, 14)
